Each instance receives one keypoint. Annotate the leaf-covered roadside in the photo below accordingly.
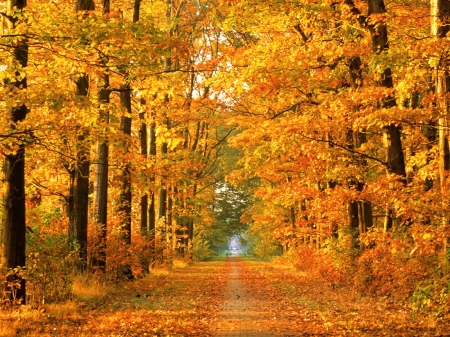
(179, 302)
(315, 308)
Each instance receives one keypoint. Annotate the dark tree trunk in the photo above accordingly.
(79, 172)
(170, 219)
(152, 206)
(79, 204)
(125, 193)
(136, 10)
(85, 5)
(144, 153)
(163, 190)
(360, 212)
(101, 204)
(14, 217)
(392, 132)
(190, 229)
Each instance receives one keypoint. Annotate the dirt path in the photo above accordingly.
(243, 313)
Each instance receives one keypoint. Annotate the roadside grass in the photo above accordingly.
(89, 289)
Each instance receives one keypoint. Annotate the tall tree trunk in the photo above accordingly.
(171, 219)
(143, 141)
(101, 202)
(392, 132)
(190, 226)
(14, 218)
(144, 152)
(361, 216)
(152, 205)
(162, 214)
(79, 173)
(440, 26)
(79, 202)
(125, 193)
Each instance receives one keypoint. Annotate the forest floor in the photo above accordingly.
(226, 297)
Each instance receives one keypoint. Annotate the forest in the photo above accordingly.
(137, 133)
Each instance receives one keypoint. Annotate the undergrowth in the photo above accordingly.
(405, 267)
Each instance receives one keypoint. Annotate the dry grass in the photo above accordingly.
(180, 263)
(14, 319)
(88, 288)
(163, 271)
(158, 268)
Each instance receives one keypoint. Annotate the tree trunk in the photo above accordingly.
(440, 15)
(440, 26)
(125, 193)
(101, 204)
(85, 5)
(79, 203)
(79, 173)
(152, 206)
(191, 223)
(144, 152)
(391, 133)
(14, 217)
(101, 197)
(359, 209)
(162, 214)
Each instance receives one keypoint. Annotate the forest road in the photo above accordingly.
(243, 312)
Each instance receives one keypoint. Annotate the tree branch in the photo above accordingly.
(348, 149)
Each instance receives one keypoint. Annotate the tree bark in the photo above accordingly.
(14, 217)
(354, 140)
(79, 173)
(152, 205)
(101, 199)
(440, 27)
(144, 152)
(143, 142)
(162, 214)
(125, 193)
(85, 5)
(391, 133)
(101, 204)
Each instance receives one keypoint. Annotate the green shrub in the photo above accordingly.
(201, 250)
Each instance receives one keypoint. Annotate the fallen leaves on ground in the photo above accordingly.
(181, 303)
(312, 308)
(185, 302)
